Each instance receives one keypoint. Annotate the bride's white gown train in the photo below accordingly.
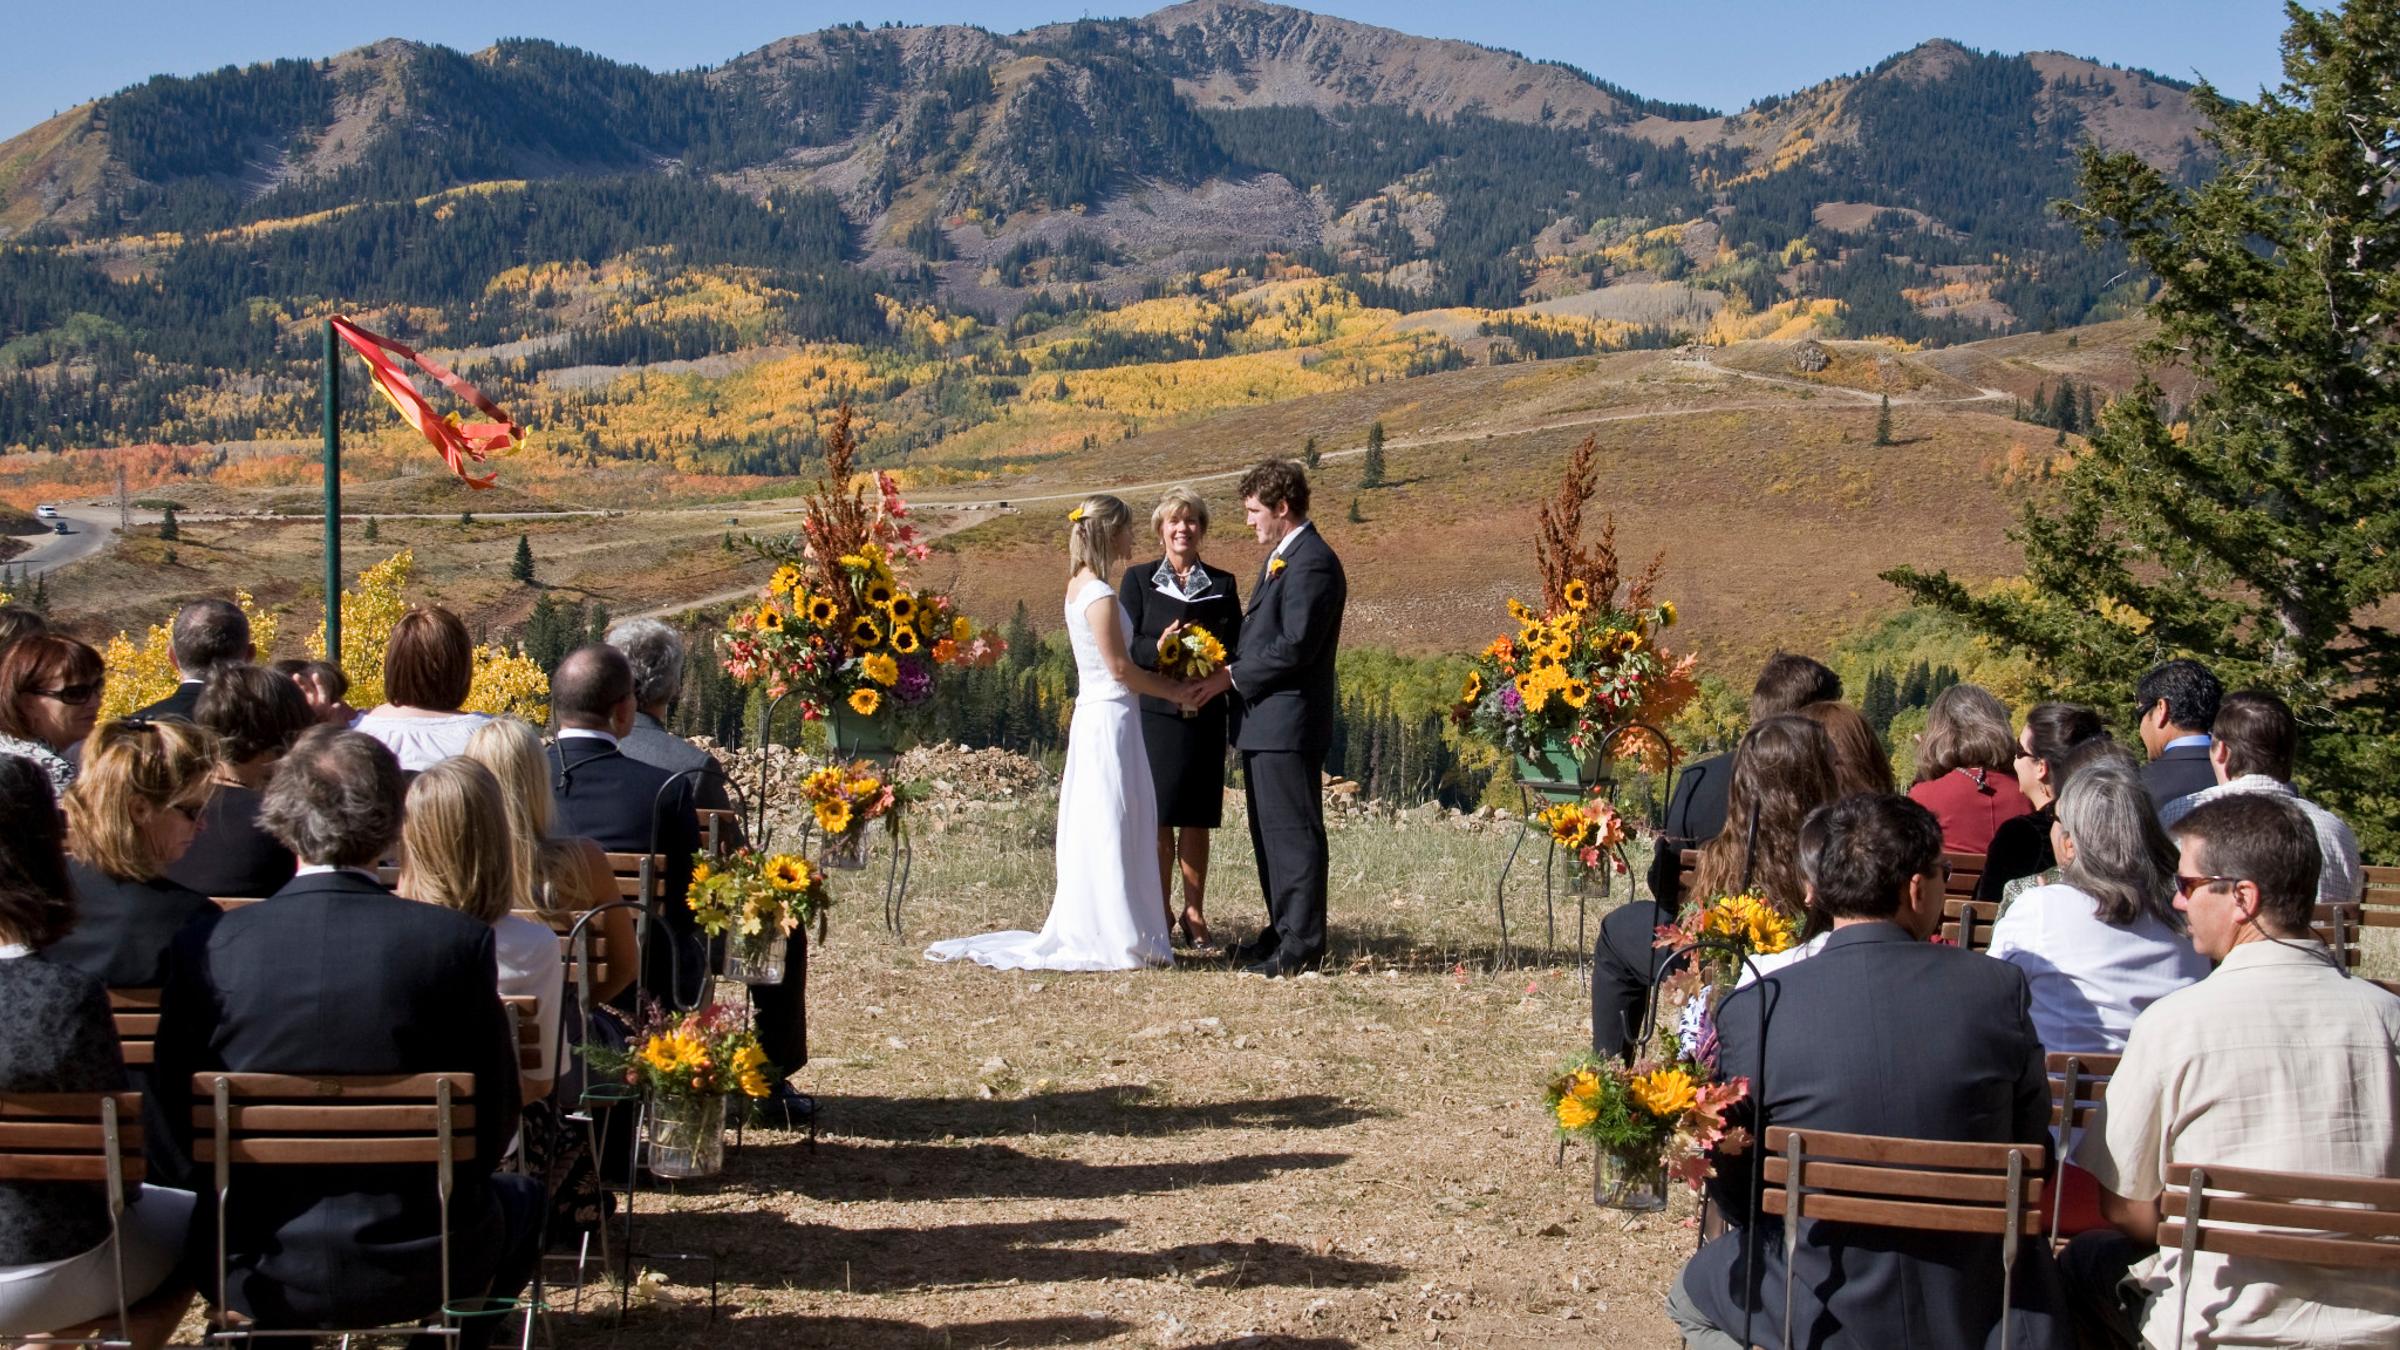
(1107, 913)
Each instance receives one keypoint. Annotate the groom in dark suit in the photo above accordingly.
(1283, 685)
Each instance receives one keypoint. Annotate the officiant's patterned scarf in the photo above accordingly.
(1191, 588)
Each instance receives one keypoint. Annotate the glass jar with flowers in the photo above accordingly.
(1591, 835)
(845, 800)
(754, 900)
(686, 1065)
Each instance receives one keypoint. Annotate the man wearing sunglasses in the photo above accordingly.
(2278, 1061)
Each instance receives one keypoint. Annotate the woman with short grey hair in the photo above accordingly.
(656, 653)
(2105, 942)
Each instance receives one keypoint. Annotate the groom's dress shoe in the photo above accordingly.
(1256, 949)
(1281, 967)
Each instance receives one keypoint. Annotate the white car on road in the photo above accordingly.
(46, 511)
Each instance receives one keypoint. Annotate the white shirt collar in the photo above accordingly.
(11, 951)
(1196, 586)
(321, 869)
(587, 734)
(1291, 538)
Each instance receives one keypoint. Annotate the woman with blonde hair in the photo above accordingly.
(1107, 911)
(1186, 751)
(1967, 768)
(562, 877)
(456, 853)
(428, 670)
(135, 808)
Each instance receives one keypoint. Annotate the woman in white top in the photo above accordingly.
(2105, 942)
(458, 856)
(428, 667)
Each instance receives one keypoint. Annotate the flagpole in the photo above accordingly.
(333, 498)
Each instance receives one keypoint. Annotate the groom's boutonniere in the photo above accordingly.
(1275, 566)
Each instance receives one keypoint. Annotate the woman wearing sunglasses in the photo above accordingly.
(49, 697)
(134, 809)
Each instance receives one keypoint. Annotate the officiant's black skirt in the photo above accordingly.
(1187, 763)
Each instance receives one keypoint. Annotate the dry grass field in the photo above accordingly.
(1175, 1158)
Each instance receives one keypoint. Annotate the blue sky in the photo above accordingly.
(1719, 52)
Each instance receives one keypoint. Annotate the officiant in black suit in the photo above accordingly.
(1187, 751)
(1283, 684)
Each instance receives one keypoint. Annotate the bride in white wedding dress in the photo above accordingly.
(1106, 913)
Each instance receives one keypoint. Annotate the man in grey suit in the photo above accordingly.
(1880, 1032)
(1283, 685)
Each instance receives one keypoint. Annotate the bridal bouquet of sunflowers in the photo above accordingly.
(845, 798)
(837, 624)
(708, 1052)
(755, 899)
(1194, 653)
(1590, 658)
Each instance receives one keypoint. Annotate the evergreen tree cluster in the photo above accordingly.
(556, 627)
(1888, 695)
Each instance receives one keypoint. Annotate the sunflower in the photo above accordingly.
(822, 611)
(1666, 614)
(1545, 659)
(879, 593)
(770, 619)
(785, 581)
(1578, 595)
(1472, 690)
(785, 872)
(903, 607)
(1535, 693)
(1665, 1093)
(701, 872)
(1518, 611)
(904, 640)
(864, 702)
(961, 630)
(833, 817)
(1576, 693)
(865, 632)
(882, 669)
(1574, 1113)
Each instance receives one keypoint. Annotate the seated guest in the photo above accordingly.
(428, 669)
(58, 1265)
(1782, 770)
(16, 621)
(1696, 809)
(256, 715)
(2105, 942)
(1966, 768)
(2255, 743)
(2021, 845)
(325, 687)
(2279, 1061)
(135, 808)
(457, 855)
(336, 975)
(1849, 1049)
(207, 634)
(562, 876)
(626, 806)
(1860, 763)
(2175, 705)
(50, 688)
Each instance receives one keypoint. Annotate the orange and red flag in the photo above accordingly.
(458, 442)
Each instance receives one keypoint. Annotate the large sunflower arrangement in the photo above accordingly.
(1590, 658)
(837, 623)
(752, 894)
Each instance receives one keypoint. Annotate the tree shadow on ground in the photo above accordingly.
(837, 1171)
(781, 1330)
(1119, 1111)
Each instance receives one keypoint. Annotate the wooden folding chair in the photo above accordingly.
(1926, 1185)
(2281, 1216)
(2078, 1084)
(90, 1137)
(2339, 926)
(1966, 921)
(136, 1015)
(255, 1120)
(2379, 896)
(640, 876)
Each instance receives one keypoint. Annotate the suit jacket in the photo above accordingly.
(233, 856)
(1695, 815)
(651, 743)
(124, 928)
(1290, 634)
(177, 705)
(1881, 1034)
(626, 806)
(1151, 612)
(336, 975)
(2178, 772)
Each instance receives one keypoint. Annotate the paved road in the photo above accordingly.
(90, 530)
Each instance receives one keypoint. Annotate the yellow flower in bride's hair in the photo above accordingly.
(833, 817)
(1075, 515)
(1664, 1093)
(864, 702)
(882, 669)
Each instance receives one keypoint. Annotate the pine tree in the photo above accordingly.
(2259, 535)
(167, 528)
(2039, 414)
(2062, 412)
(1372, 477)
(1355, 517)
(521, 568)
(1309, 456)
(1882, 700)
(1883, 422)
(1917, 689)
(371, 533)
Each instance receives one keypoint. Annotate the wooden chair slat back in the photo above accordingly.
(2379, 895)
(596, 952)
(2353, 1234)
(230, 903)
(330, 1120)
(2337, 926)
(1930, 1184)
(525, 1023)
(627, 869)
(60, 1136)
(135, 1012)
(1966, 873)
(2090, 1077)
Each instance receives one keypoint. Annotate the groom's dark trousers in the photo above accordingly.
(1284, 674)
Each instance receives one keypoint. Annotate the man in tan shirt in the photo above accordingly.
(2278, 1061)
